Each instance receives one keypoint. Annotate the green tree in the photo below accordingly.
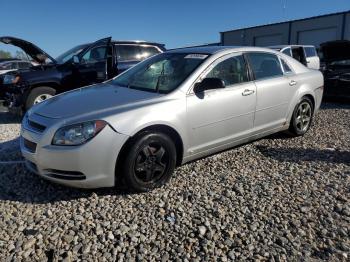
(5, 54)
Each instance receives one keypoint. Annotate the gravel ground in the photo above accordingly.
(276, 199)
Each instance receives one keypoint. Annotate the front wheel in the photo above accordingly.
(149, 161)
(302, 117)
(38, 95)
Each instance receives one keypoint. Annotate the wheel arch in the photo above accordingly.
(166, 129)
(311, 97)
(53, 85)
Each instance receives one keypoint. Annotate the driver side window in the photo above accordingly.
(232, 71)
(95, 55)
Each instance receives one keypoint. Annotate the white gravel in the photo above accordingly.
(277, 199)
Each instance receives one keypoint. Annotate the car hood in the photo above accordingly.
(32, 50)
(336, 50)
(99, 98)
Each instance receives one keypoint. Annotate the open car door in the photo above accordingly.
(92, 63)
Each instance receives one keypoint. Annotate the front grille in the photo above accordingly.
(67, 175)
(29, 145)
(36, 126)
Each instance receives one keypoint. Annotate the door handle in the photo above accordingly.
(247, 92)
(292, 83)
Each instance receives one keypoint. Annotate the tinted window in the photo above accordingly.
(286, 67)
(128, 53)
(232, 71)
(94, 55)
(265, 65)
(287, 52)
(310, 51)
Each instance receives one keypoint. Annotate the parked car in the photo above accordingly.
(305, 54)
(170, 109)
(14, 65)
(80, 66)
(336, 69)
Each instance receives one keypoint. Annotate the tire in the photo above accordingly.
(35, 94)
(302, 117)
(149, 161)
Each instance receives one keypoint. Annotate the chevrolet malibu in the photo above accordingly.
(170, 109)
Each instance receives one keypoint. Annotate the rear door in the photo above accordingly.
(92, 67)
(273, 91)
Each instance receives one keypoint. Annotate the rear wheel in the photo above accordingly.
(149, 161)
(302, 117)
(38, 95)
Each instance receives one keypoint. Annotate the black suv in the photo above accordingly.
(80, 66)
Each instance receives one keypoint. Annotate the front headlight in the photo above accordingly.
(77, 134)
(10, 79)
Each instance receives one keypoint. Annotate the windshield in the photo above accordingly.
(69, 54)
(162, 73)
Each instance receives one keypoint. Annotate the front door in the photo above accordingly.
(92, 67)
(218, 117)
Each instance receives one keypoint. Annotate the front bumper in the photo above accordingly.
(91, 165)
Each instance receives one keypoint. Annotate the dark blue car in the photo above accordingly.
(82, 65)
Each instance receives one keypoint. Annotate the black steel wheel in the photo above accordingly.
(149, 161)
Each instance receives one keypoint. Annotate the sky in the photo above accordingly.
(56, 26)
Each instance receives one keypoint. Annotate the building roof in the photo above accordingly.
(289, 21)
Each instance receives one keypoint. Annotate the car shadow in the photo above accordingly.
(19, 184)
(10, 150)
(300, 154)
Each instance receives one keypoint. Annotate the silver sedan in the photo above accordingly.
(172, 108)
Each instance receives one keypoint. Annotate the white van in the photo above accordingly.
(305, 54)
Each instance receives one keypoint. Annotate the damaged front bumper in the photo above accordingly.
(14, 97)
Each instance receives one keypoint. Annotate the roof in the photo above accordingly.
(202, 49)
(284, 46)
(211, 50)
(289, 21)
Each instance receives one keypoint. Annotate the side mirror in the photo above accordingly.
(208, 84)
(76, 59)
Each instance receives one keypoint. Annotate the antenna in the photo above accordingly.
(284, 7)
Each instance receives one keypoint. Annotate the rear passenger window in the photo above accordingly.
(232, 71)
(310, 51)
(265, 65)
(128, 53)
